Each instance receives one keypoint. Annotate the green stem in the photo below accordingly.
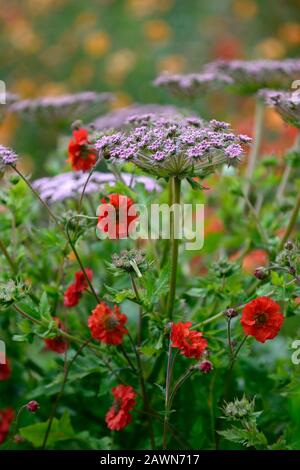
(61, 391)
(291, 224)
(16, 426)
(80, 264)
(144, 392)
(8, 257)
(51, 214)
(253, 156)
(174, 250)
(229, 337)
(168, 385)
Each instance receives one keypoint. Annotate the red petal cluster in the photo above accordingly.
(5, 370)
(80, 153)
(107, 325)
(118, 416)
(75, 290)
(117, 226)
(6, 418)
(58, 344)
(190, 343)
(262, 319)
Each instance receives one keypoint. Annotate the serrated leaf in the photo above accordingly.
(61, 430)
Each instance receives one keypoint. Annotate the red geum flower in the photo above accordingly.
(6, 418)
(80, 153)
(58, 344)
(5, 370)
(107, 325)
(80, 280)
(118, 416)
(190, 343)
(75, 290)
(262, 319)
(118, 219)
(72, 296)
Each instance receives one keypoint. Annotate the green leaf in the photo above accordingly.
(44, 307)
(61, 430)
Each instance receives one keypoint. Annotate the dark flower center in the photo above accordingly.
(261, 318)
(111, 322)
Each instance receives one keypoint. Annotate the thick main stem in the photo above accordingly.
(258, 130)
(174, 234)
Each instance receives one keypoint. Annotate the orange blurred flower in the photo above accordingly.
(157, 31)
(271, 48)
(97, 43)
(290, 33)
(245, 9)
(173, 63)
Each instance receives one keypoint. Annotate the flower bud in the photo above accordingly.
(289, 245)
(32, 406)
(231, 313)
(205, 366)
(261, 273)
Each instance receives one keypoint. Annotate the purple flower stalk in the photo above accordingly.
(167, 147)
(70, 185)
(119, 118)
(286, 103)
(61, 108)
(7, 158)
(249, 76)
(191, 85)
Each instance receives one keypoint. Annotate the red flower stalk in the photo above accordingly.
(190, 343)
(107, 325)
(58, 344)
(6, 418)
(74, 291)
(262, 319)
(118, 416)
(80, 153)
(116, 216)
(5, 370)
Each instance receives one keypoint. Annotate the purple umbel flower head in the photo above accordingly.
(286, 103)
(70, 185)
(7, 158)
(192, 84)
(249, 76)
(167, 147)
(66, 108)
(119, 118)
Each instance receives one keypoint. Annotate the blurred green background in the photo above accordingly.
(49, 47)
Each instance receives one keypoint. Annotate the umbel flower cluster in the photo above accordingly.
(7, 158)
(60, 108)
(249, 76)
(190, 85)
(286, 103)
(167, 147)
